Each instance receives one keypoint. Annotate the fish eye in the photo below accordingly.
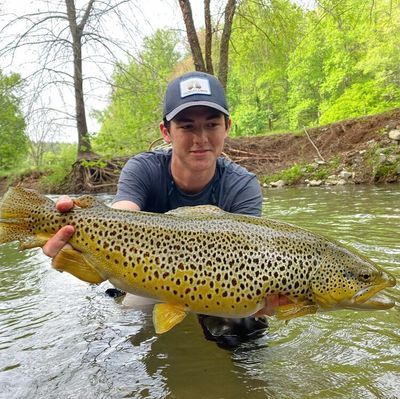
(365, 276)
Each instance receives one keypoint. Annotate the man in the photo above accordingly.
(195, 122)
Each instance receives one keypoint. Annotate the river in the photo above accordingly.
(61, 338)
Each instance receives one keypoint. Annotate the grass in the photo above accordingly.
(289, 176)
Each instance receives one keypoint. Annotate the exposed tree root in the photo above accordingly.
(95, 175)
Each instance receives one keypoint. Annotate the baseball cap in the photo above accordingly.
(194, 89)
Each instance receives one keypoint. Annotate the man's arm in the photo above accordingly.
(126, 205)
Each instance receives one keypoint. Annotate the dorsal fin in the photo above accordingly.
(199, 211)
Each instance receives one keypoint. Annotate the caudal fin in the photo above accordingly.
(15, 208)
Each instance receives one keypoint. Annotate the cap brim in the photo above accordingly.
(176, 111)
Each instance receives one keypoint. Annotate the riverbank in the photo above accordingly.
(359, 151)
(355, 151)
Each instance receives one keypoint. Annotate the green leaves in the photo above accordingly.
(130, 122)
(289, 67)
(293, 67)
(13, 141)
(349, 61)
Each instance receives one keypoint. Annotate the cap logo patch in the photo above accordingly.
(194, 86)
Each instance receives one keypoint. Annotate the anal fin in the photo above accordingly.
(34, 242)
(167, 316)
(74, 262)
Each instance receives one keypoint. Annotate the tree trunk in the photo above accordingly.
(208, 41)
(192, 35)
(226, 34)
(84, 146)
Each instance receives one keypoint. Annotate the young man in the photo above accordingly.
(195, 122)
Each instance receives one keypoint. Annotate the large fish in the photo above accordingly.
(199, 259)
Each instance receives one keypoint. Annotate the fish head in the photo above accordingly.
(346, 280)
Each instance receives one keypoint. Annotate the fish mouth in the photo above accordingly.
(368, 298)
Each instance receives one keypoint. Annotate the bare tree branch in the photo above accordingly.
(197, 55)
(224, 49)
(65, 44)
(208, 41)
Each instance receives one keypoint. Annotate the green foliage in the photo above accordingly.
(130, 123)
(258, 81)
(359, 99)
(248, 121)
(336, 61)
(289, 67)
(59, 162)
(289, 176)
(13, 141)
(321, 173)
(349, 58)
(98, 163)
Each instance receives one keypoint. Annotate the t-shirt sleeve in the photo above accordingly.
(134, 182)
(249, 199)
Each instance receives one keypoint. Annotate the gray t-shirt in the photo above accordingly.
(146, 180)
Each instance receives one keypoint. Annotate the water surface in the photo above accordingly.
(61, 338)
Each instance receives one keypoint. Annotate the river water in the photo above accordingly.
(61, 338)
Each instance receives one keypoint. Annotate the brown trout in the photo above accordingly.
(198, 259)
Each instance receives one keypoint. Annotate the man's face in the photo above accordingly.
(197, 135)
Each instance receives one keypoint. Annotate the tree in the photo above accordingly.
(129, 122)
(13, 141)
(264, 34)
(77, 29)
(205, 63)
(371, 81)
(65, 36)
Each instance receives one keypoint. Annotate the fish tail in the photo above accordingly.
(15, 208)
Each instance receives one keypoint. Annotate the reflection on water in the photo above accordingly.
(60, 338)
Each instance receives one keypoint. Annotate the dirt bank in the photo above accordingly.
(353, 144)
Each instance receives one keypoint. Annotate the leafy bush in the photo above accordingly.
(289, 176)
(60, 164)
(249, 121)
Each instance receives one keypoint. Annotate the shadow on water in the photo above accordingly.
(60, 338)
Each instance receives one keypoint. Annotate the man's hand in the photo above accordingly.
(61, 238)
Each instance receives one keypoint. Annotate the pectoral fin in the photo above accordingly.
(292, 310)
(72, 261)
(166, 316)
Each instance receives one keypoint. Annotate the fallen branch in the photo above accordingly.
(316, 148)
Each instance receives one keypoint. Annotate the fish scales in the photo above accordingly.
(202, 259)
(210, 264)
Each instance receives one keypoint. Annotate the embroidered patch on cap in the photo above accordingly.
(195, 86)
